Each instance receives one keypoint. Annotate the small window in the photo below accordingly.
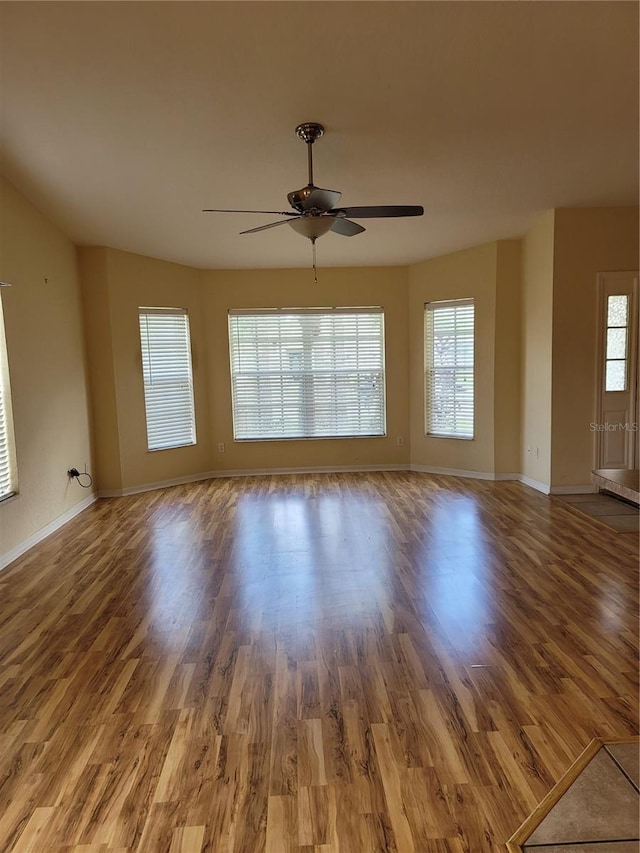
(307, 373)
(616, 344)
(449, 375)
(8, 472)
(167, 375)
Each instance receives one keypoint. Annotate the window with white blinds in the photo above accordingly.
(449, 344)
(168, 379)
(307, 373)
(8, 472)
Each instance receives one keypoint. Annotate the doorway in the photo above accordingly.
(617, 417)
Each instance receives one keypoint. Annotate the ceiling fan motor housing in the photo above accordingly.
(298, 198)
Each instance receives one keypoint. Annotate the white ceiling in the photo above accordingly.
(122, 120)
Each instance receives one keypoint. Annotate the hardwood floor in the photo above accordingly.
(354, 663)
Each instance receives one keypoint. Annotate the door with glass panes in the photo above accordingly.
(617, 394)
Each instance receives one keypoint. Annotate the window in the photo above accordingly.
(168, 381)
(616, 344)
(8, 473)
(449, 340)
(307, 373)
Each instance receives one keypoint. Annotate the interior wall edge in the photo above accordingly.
(538, 485)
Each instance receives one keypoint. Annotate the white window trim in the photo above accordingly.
(429, 310)
(169, 396)
(272, 390)
(8, 462)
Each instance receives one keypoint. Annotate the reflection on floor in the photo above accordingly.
(594, 808)
(614, 513)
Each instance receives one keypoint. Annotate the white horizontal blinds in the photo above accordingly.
(307, 373)
(449, 343)
(168, 380)
(8, 473)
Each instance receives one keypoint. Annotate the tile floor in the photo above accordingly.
(613, 512)
(600, 811)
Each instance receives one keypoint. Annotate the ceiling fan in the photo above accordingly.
(314, 209)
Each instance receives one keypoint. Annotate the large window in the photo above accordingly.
(449, 339)
(8, 473)
(307, 373)
(168, 381)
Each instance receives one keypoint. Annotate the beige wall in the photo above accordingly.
(536, 352)
(471, 273)
(115, 284)
(385, 286)
(47, 367)
(586, 242)
(508, 341)
(92, 264)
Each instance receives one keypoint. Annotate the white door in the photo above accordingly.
(617, 394)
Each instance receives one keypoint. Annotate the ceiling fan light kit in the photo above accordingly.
(312, 226)
(314, 208)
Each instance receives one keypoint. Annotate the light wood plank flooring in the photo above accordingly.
(354, 663)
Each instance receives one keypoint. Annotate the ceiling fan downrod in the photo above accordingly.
(309, 131)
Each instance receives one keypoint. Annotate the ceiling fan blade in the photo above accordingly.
(275, 212)
(270, 225)
(346, 227)
(381, 210)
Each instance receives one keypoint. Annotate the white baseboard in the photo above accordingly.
(318, 469)
(243, 472)
(344, 469)
(585, 489)
(9, 556)
(161, 484)
(459, 472)
(39, 535)
(545, 488)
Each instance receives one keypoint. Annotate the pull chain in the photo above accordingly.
(315, 269)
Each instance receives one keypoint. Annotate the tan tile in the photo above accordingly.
(601, 847)
(581, 499)
(608, 507)
(628, 757)
(623, 523)
(601, 805)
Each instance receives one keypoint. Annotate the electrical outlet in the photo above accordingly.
(221, 447)
(400, 441)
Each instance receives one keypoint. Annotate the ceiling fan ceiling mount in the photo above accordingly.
(309, 131)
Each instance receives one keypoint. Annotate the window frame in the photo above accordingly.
(624, 359)
(304, 409)
(8, 457)
(186, 354)
(430, 309)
